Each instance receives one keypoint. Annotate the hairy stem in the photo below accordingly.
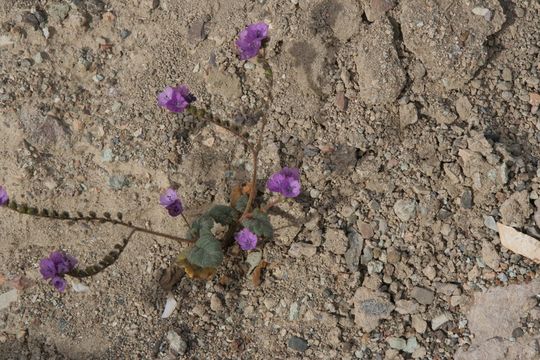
(107, 261)
(92, 217)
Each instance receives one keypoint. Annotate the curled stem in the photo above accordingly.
(107, 261)
(92, 217)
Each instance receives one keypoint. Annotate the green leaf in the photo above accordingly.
(259, 224)
(225, 215)
(206, 252)
(242, 203)
(202, 224)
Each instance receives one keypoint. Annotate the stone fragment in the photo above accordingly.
(490, 255)
(396, 343)
(412, 345)
(380, 74)
(177, 345)
(370, 307)
(302, 249)
(486, 178)
(336, 241)
(224, 84)
(341, 101)
(408, 115)
(418, 323)
(297, 343)
(405, 209)
(354, 252)
(519, 243)
(215, 303)
(496, 312)
(439, 321)
(516, 210)
(422, 295)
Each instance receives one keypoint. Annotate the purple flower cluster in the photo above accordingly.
(250, 40)
(175, 99)
(4, 198)
(55, 267)
(170, 201)
(286, 182)
(246, 239)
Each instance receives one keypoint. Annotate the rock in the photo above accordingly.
(463, 108)
(58, 12)
(406, 306)
(375, 9)
(196, 32)
(490, 223)
(253, 259)
(117, 182)
(354, 252)
(365, 229)
(392, 255)
(297, 343)
(7, 298)
(380, 74)
(310, 59)
(450, 43)
(490, 255)
(496, 312)
(177, 345)
(534, 100)
(412, 345)
(44, 131)
(336, 241)
(408, 115)
(419, 324)
(467, 199)
(107, 155)
(405, 209)
(396, 343)
(486, 178)
(370, 307)
(500, 349)
(519, 243)
(442, 112)
(439, 321)
(215, 303)
(341, 101)
(516, 210)
(294, 311)
(481, 11)
(302, 249)
(422, 295)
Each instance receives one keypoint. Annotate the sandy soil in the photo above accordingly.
(415, 124)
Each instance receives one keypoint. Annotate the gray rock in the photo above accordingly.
(467, 199)
(353, 253)
(439, 321)
(490, 223)
(418, 323)
(405, 209)
(422, 295)
(516, 210)
(107, 155)
(58, 11)
(176, 343)
(412, 345)
(375, 9)
(396, 343)
(297, 343)
(117, 182)
(490, 255)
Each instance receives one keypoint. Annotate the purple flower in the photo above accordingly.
(4, 198)
(246, 239)
(286, 182)
(55, 267)
(59, 283)
(170, 201)
(175, 99)
(250, 40)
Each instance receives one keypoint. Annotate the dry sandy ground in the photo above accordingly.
(416, 127)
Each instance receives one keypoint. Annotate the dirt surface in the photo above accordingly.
(416, 127)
